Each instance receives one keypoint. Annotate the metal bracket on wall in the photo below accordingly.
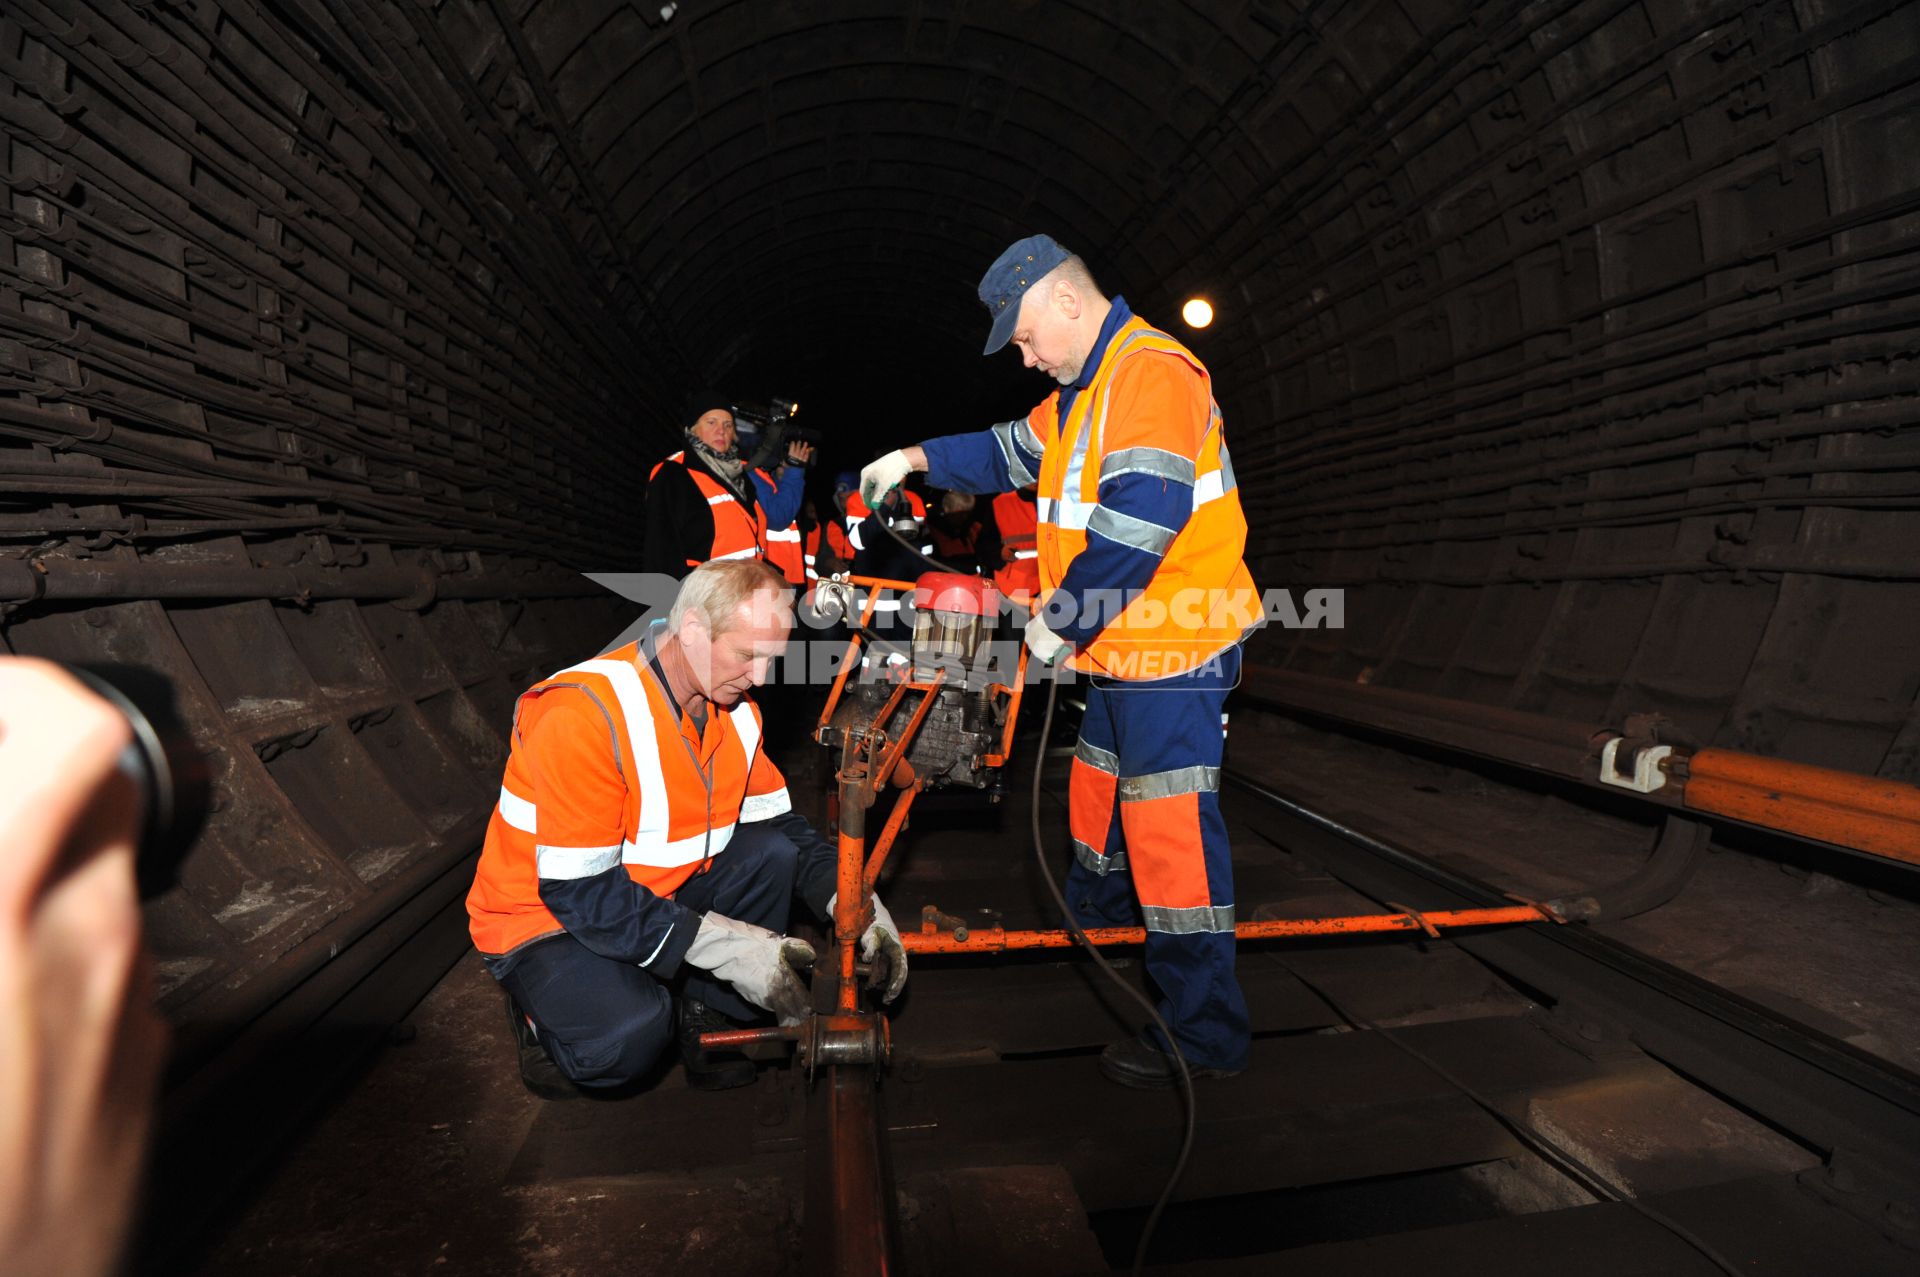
(1646, 775)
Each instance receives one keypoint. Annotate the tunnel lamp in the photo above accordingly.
(1198, 312)
(793, 410)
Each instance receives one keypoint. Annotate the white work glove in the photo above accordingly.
(1047, 647)
(757, 963)
(883, 476)
(880, 946)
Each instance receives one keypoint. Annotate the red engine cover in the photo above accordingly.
(955, 592)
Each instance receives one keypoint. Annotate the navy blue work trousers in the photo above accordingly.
(605, 1023)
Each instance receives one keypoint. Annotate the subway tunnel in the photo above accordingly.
(1568, 346)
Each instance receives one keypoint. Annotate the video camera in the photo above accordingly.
(766, 431)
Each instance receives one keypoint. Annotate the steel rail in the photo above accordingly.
(1827, 1093)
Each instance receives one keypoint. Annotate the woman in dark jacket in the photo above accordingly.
(700, 500)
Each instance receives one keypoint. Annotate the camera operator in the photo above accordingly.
(780, 481)
(82, 1043)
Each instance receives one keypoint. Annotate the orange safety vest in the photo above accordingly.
(948, 546)
(1201, 599)
(783, 544)
(564, 812)
(857, 513)
(834, 536)
(739, 532)
(1019, 524)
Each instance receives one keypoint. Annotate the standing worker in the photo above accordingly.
(1140, 539)
(701, 503)
(827, 549)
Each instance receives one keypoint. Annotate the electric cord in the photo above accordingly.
(1564, 1161)
(1120, 982)
(1107, 968)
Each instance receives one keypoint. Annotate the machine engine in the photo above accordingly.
(954, 619)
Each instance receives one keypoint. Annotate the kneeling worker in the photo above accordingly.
(644, 846)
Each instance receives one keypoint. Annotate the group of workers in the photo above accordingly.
(707, 502)
(644, 859)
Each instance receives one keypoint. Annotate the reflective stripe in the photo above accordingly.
(1069, 511)
(791, 534)
(644, 745)
(1097, 758)
(810, 560)
(765, 806)
(751, 552)
(747, 728)
(1215, 484)
(886, 605)
(1026, 554)
(665, 854)
(722, 499)
(1004, 435)
(657, 948)
(1093, 860)
(1181, 780)
(853, 532)
(1186, 922)
(1129, 531)
(575, 862)
(516, 811)
(1154, 461)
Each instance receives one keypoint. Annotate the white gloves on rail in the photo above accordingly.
(760, 965)
(880, 946)
(883, 476)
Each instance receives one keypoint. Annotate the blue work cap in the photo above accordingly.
(845, 481)
(1008, 279)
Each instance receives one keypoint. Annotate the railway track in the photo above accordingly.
(1415, 1100)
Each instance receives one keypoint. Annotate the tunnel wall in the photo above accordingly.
(313, 401)
(1581, 350)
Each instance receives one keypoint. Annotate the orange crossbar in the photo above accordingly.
(1862, 812)
(998, 940)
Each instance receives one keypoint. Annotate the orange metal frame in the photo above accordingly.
(860, 778)
(858, 872)
(938, 935)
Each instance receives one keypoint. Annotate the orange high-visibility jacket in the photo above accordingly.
(1019, 524)
(830, 533)
(783, 544)
(563, 813)
(1149, 404)
(737, 532)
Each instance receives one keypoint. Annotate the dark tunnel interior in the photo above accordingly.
(1574, 340)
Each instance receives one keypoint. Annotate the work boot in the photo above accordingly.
(1139, 1062)
(709, 1070)
(538, 1072)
